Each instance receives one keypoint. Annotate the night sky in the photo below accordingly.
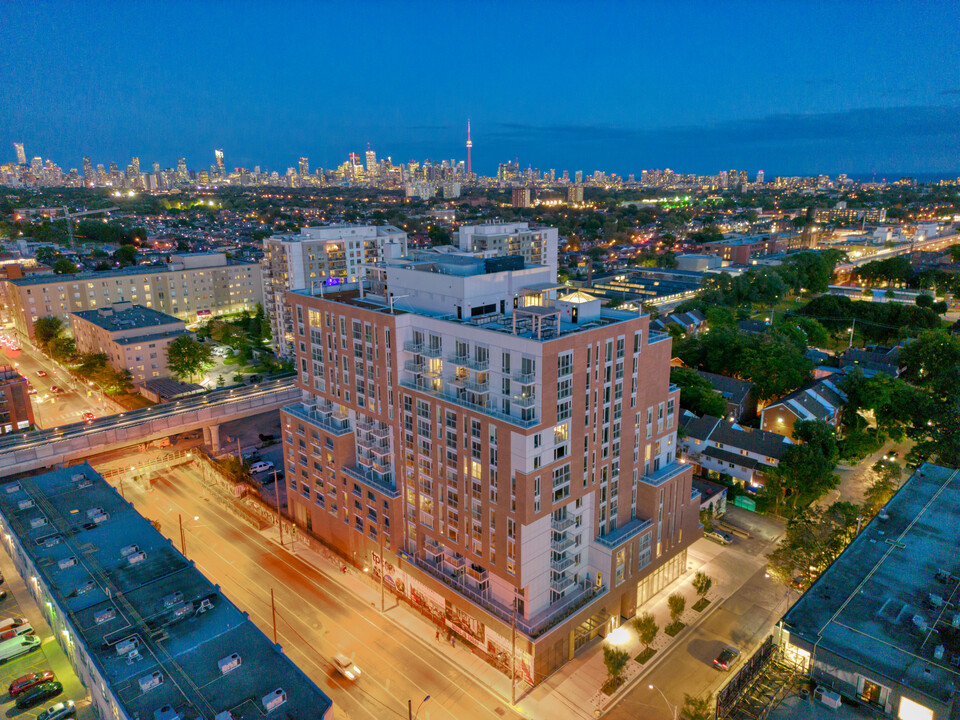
(787, 87)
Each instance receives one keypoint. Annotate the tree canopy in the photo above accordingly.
(697, 394)
(186, 357)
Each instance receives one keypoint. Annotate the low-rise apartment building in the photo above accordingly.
(512, 449)
(537, 245)
(133, 337)
(192, 286)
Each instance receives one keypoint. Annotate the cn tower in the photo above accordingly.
(469, 146)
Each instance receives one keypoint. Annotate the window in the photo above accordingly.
(565, 364)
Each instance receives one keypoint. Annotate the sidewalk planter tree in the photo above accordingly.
(677, 604)
(696, 708)
(616, 660)
(702, 584)
(647, 628)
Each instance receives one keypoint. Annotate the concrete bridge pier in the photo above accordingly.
(211, 437)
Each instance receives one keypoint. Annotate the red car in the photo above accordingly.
(28, 681)
(89, 417)
(56, 390)
(41, 373)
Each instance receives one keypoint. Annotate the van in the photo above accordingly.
(10, 649)
(16, 631)
(261, 466)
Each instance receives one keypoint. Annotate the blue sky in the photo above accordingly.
(788, 87)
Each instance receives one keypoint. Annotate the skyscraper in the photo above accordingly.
(135, 163)
(469, 150)
(760, 177)
(21, 154)
(304, 166)
(371, 162)
(182, 169)
(578, 177)
(87, 171)
(218, 154)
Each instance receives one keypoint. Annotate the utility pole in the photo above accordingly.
(383, 568)
(273, 610)
(513, 654)
(409, 709)
(276, 489)
(183, 542)
(853, 329)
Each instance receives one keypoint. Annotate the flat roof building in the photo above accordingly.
(133, 337)
(145, 631)
(511, 444)
(326, 255)
(192, 286)
(16, 412)
(537, 245)
(880, 625)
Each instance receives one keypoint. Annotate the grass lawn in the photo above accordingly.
(701, 604)
(645, 655)
(131, 401)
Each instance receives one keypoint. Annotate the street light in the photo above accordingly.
(410, 713)
(673, 708)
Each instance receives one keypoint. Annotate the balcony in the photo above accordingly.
(475, 364)
(464, 403)
(563, 524)
(456, 561)
(334, 423)
(432, 548)
(558, 566)
(524, 400)
(481, 388)
(412, 346)
(478, 573)
(431, 351)
(375, 429)
(459, 360)
(415, 366)
(622, 534)
(562, 583)
(525, 378)
(382, 482)
(562, 543)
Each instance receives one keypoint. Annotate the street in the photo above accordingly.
(315, 618)
(53, 410)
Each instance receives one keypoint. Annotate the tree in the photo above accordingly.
(702, 583)
(885, 484)
(814, 538)
(186, 357)
(697, 708)
(63, 266)
(62, 348)
(697, 394)
(647, 628)
(677, 604)
(46, 329)
(125, 255)
(616, 660)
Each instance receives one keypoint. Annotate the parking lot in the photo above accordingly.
(51, 656)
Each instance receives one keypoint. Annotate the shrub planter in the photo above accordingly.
(612, 684)
(645, 655)
(674, 628)
(701, 604)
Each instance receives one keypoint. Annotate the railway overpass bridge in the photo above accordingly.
(934, 244)
(43, 448)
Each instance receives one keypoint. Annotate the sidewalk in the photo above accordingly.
(571, 692)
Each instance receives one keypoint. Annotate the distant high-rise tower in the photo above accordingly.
(469, 148)
(304, 166)
(21, 154)
(182, 174)
(760, 177)
(135, 164)
(371, 162)
(218, 154)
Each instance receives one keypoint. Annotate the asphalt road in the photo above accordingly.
(315, 617)
(743, 619)
(51, 410)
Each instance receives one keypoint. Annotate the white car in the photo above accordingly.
(346, 667)
(261, 467)
(717, 536)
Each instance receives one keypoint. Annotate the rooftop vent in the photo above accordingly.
(938, 652)
(93, 512)
(24, 504)
(271, 701)
(137, 558)
(101, 518)
(85, 483)
(166, 713)
(67, 562)
(151, 681)
(48, 540)
(13, 487)
(229, 663)
(205, 604)
(129, 550)
(919, 623)
(934, 600)
(38, 521)
(883, 515)
(78, 477)
(174, 598)
(85, 588)
(955, 622)
(105, 616)
(128, 645)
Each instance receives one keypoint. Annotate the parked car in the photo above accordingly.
(25, 629)
(60, 711)
(346, 667)
(727, 658)
(891, 456)
(38, 693)
(10, 649)
(89, 417)
(261, 466)
(12, 622)
(25, 682)
(41, 373)
(718, 536)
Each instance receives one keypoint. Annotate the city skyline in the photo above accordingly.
(739, 86)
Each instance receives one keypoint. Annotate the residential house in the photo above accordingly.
(741, 401)
(822, 401)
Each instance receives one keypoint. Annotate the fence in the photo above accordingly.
(730, 693)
